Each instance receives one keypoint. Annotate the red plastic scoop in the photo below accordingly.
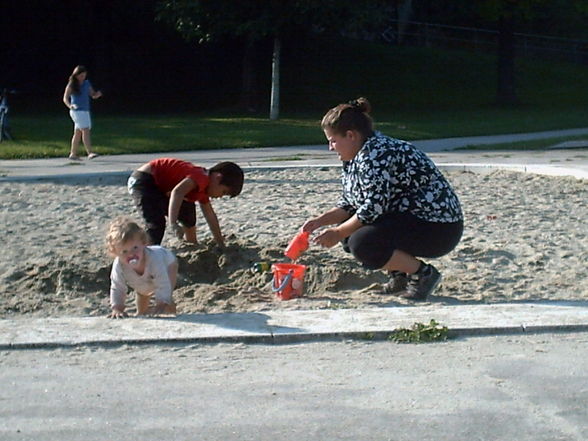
(297, 246)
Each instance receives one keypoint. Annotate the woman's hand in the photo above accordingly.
(311, 225)
(334, 216)
(329, 238)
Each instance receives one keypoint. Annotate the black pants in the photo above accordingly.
(153, 205)
(374, 244)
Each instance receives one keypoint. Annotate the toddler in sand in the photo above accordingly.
(150, 270)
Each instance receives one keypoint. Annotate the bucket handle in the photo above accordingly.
(284, 282)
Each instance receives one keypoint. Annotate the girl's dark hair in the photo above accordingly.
(73, 82)
(232, 176)
(353, 115)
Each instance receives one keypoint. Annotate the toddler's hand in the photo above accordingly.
(117, 313)
(162, 308)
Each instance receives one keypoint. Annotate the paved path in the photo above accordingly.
(281, 326)
(572, 162)
(495, 388)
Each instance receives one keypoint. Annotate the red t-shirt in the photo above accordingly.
(169, 172)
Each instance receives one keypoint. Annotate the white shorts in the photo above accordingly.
(81, 119)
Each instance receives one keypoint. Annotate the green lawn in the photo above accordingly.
(416, 94)
(48, 136)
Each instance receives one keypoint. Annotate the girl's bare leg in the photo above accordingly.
(87, 140)
(75, 142)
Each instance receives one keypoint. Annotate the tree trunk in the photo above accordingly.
(506, 92)
(275, 93)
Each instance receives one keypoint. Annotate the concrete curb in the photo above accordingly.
(283, 327)
(299, 338)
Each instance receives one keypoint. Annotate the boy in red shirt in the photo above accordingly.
(170, 187)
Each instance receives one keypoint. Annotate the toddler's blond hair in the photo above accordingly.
(121, 230)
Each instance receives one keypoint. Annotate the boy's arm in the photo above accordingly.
(213, 224)
(176, 197)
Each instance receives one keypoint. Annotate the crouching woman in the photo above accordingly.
(396, 206)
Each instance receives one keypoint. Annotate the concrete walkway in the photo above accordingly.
(557, 161)
(288, 326)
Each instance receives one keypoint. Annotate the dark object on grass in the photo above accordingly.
(4, 125)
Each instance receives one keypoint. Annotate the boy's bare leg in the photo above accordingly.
(190, 234)
(142, 302)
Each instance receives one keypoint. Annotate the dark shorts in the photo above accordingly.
(374, 244)
(153, 205)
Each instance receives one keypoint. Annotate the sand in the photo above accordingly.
(525, 240)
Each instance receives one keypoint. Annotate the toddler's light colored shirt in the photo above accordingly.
(155, 279)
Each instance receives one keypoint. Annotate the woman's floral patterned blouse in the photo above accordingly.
(389, 175)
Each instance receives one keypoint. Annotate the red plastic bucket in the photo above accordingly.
(288, 280)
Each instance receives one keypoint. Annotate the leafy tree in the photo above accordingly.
(255, 20)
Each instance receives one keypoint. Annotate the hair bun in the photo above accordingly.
(361, 104)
